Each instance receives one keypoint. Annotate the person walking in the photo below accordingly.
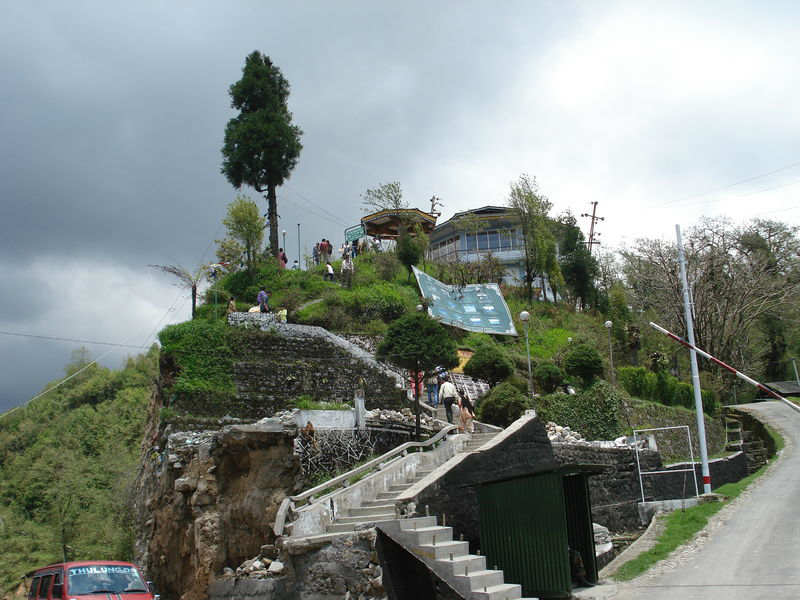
(449, 396)
(263, 300)
(466, 414)
(232, 306)
(282, 258)
(432, 385)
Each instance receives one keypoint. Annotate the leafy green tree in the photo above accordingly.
(490, 364)
(549, 376)
(261, 144)
(503, 405)
(409, 251)
(584, 362)
(230, 252)
(418, 343)
(532, 208)
(245, 227)
(387, 196)
(578, 268)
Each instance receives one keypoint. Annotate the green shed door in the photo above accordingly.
(524, 533)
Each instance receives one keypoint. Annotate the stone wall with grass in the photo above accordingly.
(253, 367)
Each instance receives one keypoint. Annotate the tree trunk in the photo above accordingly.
(417, 405)
(272, 215)
(194, 299)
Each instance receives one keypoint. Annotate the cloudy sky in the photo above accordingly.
(112, 117)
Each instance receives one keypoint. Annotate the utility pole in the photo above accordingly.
(594, 219)
(698, 399)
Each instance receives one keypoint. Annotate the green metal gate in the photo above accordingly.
(524, 533)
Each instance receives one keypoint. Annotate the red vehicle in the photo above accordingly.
(90, 580)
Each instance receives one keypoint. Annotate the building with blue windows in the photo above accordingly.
(470, 235)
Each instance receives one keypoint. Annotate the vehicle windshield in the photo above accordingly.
(95, 579)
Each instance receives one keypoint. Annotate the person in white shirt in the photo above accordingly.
(449, 396)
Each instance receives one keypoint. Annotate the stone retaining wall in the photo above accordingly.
(280, 362)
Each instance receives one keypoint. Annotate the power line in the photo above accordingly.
(733, 184)
(64, 339)
(314, 206)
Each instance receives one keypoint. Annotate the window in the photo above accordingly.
(506, 239)
(494, 240)
(44, 588)
(471, 242)
(483, 241)
(34, 585)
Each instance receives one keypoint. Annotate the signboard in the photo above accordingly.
(354, 233)
(474, 307)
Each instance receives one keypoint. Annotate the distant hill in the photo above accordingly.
(65, 463)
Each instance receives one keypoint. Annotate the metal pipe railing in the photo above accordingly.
(341, 481)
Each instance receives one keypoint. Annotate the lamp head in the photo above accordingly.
(608, 324)
(524, 316)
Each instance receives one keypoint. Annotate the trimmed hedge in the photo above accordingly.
(662, 387)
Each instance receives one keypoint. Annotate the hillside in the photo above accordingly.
(66, 461)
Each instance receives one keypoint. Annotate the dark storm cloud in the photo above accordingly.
(113, 116)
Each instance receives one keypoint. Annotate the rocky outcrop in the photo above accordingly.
(343, 566)
(205, 501)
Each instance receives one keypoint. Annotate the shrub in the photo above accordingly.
(376, 327)
(662, 387)
(594, 412)
(584, 362)
(203, 357)
(502, 406)
(387, 266)
(633, 380)
(489, 363)
(548, 376)
(381, 300)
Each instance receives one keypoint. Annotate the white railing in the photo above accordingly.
(342, 481)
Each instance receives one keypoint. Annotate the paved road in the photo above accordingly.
(751, 548)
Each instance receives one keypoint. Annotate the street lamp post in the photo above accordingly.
(284, 240)
(298, 247)
(608, 325)
(525, 316)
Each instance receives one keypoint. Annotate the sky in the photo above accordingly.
(112, 118)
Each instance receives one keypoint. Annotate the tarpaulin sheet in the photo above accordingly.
(474, 307)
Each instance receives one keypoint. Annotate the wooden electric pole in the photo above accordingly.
(594, 219)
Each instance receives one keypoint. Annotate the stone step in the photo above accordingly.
(362, 511)
(376, 502)
(425, 536)
(337, 527)
(387, 495)
(504, 591)
(416, 523)
(444, 550)
(385, 516)
(464, 564)
(477, 580)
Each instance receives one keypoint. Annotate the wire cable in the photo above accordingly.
(64, 339)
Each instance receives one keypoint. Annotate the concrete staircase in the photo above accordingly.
(738, 437)
(450, 559)
(382, 508)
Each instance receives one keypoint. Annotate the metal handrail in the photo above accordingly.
(289, 502)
